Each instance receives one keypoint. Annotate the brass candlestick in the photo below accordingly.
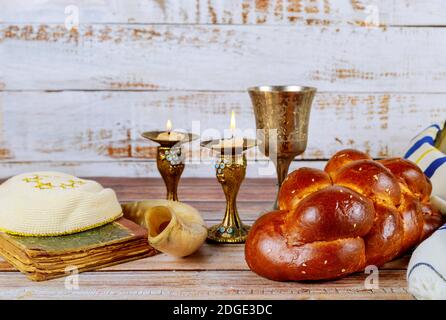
(285, 111)
(170, 159)
(230, 171)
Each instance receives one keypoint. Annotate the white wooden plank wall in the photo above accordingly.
(77, 100)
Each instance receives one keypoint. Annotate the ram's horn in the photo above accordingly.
(173, 227)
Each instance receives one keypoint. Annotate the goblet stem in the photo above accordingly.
(230, 172)
(170, 168)
(282, 167)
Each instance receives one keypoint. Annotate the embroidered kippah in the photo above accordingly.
(54, 203)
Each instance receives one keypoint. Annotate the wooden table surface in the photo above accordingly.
(214, 272)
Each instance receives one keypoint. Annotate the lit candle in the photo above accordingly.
(232, 142)
(170, 135)
(232, 124)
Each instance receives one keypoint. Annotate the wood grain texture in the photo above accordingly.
(98, 133)
(138, 168)
(192, 60)
(209, 257)
(208, 57)
(200, 285)
(277, 12)
(214, 272)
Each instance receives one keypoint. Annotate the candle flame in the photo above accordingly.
(232, 125)
(169, 125)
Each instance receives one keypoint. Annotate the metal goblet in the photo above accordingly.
(282, 115)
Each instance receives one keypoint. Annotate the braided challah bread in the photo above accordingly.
(355, 213)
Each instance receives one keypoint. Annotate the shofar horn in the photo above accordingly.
(173, 227)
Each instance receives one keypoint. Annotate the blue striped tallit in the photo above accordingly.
(432, 161)
(426, 272)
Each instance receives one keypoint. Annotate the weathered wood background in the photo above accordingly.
(77, 100)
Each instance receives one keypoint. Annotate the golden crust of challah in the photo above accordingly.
(331, 223)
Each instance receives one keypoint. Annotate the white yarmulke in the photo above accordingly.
(426, 273)
(53, 203)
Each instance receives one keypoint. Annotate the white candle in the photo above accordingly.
(230, 143)
(233, 142)
(170, 135)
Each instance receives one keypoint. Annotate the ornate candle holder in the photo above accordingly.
(170, 160)
(286, 110)
(230, 170)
